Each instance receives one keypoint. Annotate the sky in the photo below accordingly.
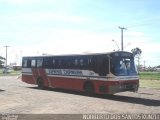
(35, 27)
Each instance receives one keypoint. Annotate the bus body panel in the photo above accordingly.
(27, 76)
(75, 78)
(104, 86)
(28, 79)
(66, 83)
(42, 75)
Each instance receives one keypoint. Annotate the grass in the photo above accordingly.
(150, 75)
(149, 79)
(150, 83)
(13, 73)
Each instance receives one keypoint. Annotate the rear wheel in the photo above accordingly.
(89, 88)
(40, 83)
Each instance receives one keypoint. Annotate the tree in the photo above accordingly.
(137, 53)
(1, 61)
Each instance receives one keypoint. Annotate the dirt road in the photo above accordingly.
(17, 97)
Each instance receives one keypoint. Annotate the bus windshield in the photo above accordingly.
(123, 66)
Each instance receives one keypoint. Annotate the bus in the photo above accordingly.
(99, 73)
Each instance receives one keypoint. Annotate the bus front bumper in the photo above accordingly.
(122, 88)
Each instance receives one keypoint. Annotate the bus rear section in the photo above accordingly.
(107, 73)
(33, 71)
(27, 73)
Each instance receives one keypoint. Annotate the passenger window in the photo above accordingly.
(24, 63)
(76, 62)
(54, 61)
(59, 65)
(39, 62)
(81, 62)
(33, 63)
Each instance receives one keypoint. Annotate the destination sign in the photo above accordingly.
(64, 72)
(122, 54)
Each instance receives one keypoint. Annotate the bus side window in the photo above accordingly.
(54, 62)
(39, 62)
(76, 63)
(70, 63)
(49, 62)
(58, 63)
(25, 63)
(102, 64)
(29, 63)
(81, 62)
(33, 63)
(65, 63)
(91, 63)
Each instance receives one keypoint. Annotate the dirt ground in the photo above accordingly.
(17, 97)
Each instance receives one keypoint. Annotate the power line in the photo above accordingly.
(116, 44)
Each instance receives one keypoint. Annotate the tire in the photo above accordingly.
(89, 88)
(40, 84)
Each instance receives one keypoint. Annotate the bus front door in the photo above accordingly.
(34, 70)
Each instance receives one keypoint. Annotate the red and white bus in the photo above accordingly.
(102, 73)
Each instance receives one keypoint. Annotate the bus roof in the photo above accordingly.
(82, 54)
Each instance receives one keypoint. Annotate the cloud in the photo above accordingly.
(42, 18)
(67, 41)
(76, 41)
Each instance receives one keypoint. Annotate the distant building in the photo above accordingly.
(157, 69)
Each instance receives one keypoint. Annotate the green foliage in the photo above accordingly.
(13, 73)
(150, 79)
(136, 51)
(1, 64)
(150, 83)
(150, 75)
(1, 61)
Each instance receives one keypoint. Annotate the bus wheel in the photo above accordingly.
(89, 88)
(40, 83)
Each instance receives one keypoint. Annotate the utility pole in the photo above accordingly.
(144, 64)
(6, 54)
(122, 28)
